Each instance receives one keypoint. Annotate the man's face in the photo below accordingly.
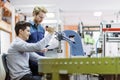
(39, 18)
(25, 33)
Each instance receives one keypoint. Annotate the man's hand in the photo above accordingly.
(44, 50)
(50, 29)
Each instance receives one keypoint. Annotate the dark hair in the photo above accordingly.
(21, 25)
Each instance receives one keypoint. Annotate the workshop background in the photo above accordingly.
(87, 38)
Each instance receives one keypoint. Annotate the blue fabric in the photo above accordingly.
(37, 33)
(76, 48)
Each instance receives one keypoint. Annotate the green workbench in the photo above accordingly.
(57, 66)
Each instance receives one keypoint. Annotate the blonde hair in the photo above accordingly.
(38, 9)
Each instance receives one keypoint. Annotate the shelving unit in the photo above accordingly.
(111, 40)
(5, 25)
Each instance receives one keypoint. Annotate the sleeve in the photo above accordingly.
(23, 46)
(35, 57)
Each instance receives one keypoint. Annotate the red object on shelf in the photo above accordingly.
(110, 29)
(1, 3)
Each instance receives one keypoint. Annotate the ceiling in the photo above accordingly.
(74, 11)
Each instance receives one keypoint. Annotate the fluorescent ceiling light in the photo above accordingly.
(49, 21)
(97, 14)
(50, 15)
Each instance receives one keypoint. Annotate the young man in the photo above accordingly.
(20, 52)
(37, 32)
(36, 29)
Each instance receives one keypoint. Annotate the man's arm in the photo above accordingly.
(35, 57)
(23, 46)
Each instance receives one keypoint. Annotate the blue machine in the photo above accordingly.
(74, 40)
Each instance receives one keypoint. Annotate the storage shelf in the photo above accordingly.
(91, 28)
(5, 26)
(8, 6)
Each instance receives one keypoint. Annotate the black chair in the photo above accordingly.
(5, 66)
